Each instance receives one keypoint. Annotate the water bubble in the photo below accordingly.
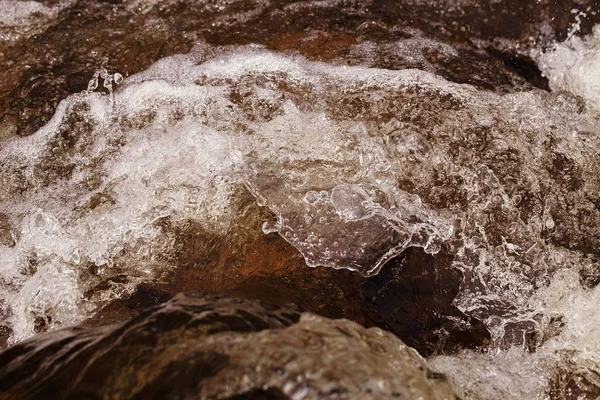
(118, 78)
(311, 197)
(312, 238)
(269, 227)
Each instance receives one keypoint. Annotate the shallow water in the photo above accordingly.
(446, 151)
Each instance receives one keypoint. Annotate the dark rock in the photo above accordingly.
(575, 380)
(198, 347)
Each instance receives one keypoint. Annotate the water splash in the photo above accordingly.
(356, 164)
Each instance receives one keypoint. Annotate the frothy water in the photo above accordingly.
(356, 163)
(573, 66)
(564, 362)
(173, 141)
(20, 19)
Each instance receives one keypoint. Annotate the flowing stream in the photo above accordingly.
(362, 130)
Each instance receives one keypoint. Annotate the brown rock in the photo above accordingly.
(196, 347)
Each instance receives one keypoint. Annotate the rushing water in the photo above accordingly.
(138, 136)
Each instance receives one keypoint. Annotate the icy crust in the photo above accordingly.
(356, 163)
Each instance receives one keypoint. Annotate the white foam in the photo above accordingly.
(516, 374)
(16, 13)
(168, 145)
(574, 66)
(25, 18)
(563, 305)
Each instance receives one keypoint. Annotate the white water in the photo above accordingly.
(187, 168)
(20, 19)
(572, 67)
(350, 185)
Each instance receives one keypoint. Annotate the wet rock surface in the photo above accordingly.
(216, 347)
(6, 234)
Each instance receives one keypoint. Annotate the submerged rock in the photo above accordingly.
(412, 297)
(197, 347)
